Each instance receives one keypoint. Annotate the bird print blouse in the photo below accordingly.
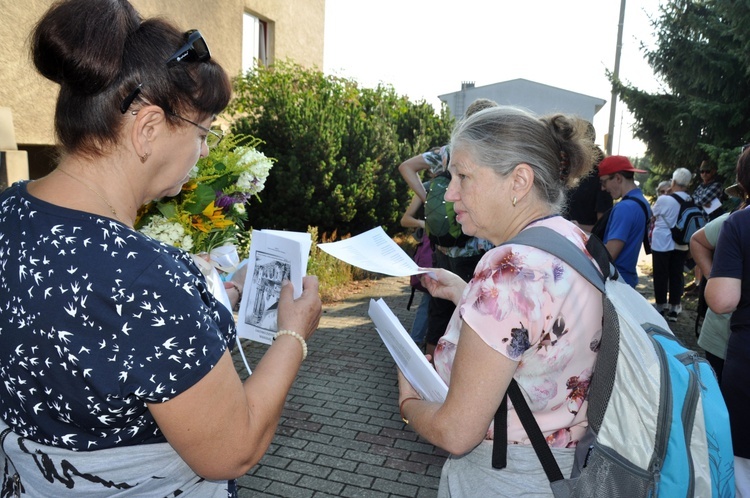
(96, 321)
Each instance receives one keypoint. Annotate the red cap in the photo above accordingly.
(615, 164)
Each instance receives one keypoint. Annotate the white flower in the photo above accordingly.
(256, 167)
(187, 242)
(169, 232)
(239, 208)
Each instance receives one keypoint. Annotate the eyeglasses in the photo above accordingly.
(213, 138)
(662, 192)
(705, 171)
(603, 180)
(194, 49)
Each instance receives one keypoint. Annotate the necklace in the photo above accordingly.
(100, 196)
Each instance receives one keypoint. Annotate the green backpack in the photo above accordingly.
(440, 218)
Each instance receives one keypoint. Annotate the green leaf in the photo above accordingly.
(202, 197)
(167, 209)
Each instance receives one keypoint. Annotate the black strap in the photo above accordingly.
(538, 441)
(500, 441)
(411, 299)
(646, 242)
(679, 199)
(643, 206)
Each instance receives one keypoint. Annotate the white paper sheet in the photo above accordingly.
(373, 251)
(715, 204)
(406, 354)
(274, 256)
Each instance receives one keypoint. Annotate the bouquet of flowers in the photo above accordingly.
(209, 212)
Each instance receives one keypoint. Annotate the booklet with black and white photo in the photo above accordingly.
(275, 255)
(409, 359)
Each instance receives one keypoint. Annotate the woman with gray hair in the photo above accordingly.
(525, 315)
(668, 256)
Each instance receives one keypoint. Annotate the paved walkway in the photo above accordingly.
(340, 432)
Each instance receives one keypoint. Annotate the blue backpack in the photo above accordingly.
(690, 219)
(658, 424)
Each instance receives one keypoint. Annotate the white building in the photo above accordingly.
(536, 97)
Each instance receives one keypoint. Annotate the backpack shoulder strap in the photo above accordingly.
(552, 242)
(638, 201)
(646, 241)
(678, 199)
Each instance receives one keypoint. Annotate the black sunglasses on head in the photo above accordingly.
(194, 49)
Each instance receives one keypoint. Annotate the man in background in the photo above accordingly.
(587, 202)
(629, 218)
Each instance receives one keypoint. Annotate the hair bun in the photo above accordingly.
(79, 43)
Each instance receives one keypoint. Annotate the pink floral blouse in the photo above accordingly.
(531, 307)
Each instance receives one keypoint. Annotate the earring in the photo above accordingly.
(144, 158)
(514, 201)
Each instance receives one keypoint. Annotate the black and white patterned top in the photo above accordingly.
(96, 320)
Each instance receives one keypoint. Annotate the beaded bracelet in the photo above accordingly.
(401, 408)
(296, 336)
(236, 286)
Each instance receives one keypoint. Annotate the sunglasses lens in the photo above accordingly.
(201, 50)
(194, 49)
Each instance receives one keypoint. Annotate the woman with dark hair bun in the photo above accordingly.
(114, 355)
(525, 315)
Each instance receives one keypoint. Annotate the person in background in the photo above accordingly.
(663, 188)
(413, 217)
(728, 291)
(460, 260)
(510, 171)
(714, 333)
(587, 202)
(627, 223)
(114, 355)
(669, 257)
(709, 196)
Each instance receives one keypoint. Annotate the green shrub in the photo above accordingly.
(337, 147)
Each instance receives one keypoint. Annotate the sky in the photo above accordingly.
(426, 48)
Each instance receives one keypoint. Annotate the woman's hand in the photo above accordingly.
(445, 285)
(234, 286)
(405, 389)
(301, 315)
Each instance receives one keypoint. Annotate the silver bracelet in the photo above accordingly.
(296, 336)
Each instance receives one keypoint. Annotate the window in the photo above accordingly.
(254, 41)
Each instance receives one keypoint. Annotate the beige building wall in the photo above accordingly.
(296, 29)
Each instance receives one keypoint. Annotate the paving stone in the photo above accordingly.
(340, 433)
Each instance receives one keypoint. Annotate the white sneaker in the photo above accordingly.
(677, 309)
